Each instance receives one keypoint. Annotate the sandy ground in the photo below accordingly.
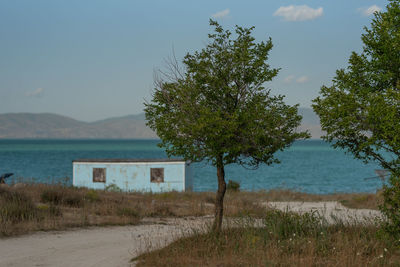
(116, 246)
(332, 211)
(97, 246)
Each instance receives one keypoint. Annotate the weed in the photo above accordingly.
(288, 224)
(92, 196)
(113, 188)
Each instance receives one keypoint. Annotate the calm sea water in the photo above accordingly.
(310, 166)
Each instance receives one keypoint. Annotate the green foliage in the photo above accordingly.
(285, 225)
(360, 112)
(233, 186)
(113, 188)
(217, 108)
(391, 208)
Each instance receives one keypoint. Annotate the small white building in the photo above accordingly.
(143, 175)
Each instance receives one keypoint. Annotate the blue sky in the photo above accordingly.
(95, 59)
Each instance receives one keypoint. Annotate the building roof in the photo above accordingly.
(126, 160)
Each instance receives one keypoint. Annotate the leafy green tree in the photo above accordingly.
(216, 108)
(360, 112)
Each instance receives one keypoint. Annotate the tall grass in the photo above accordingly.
(32, 207)
(281, 239)
(16, 207)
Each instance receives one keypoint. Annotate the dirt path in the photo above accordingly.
(116, 246)
(98, 246)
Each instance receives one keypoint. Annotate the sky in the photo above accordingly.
(92, 60)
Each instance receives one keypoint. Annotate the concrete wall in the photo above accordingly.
(134, 176)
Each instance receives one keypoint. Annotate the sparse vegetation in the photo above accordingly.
(16, 207)
(35, 207)
(280, 238)
(283, 239)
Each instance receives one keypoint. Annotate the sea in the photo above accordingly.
(311, 166)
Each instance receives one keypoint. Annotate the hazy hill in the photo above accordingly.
(47, 125)
(44, 125)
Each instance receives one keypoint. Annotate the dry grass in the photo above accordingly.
(350, 200)
(32, 207)
(285, 239)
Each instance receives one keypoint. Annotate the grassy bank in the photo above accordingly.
(33, 207)
(284, 239)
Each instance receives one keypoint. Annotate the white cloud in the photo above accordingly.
(288, 79)
(221, 14)
(302, 79)
(35, 93)
(368, 11)
(299, 13)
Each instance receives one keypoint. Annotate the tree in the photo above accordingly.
(216, 108)
(360, 112)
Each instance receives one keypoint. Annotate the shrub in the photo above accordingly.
(113, 188)
(233, 186)
(391, 208)
(286, 224)
(51, 195)
(92, 196)
(73, 200)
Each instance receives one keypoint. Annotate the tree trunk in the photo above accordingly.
(219, 202)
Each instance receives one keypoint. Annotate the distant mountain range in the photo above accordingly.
(48, 125)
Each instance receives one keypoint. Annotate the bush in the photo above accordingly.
(51, 195)
(73, 199)
(113, 188)
(286, 224)
(233, 186)
(92, 196)
(391, 208)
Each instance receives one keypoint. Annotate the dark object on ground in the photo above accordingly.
(4, 176)
(233, 186)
